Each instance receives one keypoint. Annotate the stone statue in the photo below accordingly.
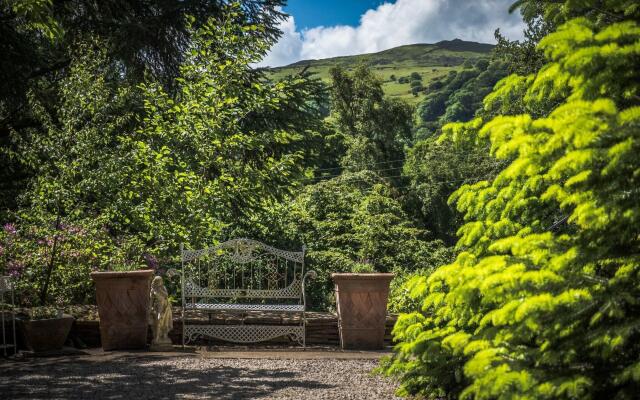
(160, 316)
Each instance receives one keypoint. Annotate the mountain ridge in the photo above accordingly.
(454, 45)
(432, 61)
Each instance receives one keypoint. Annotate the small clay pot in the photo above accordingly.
(123, 307)
(362, 309)
(45, 334)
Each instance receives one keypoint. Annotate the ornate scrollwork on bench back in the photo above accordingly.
(243, 251)
(243, 268)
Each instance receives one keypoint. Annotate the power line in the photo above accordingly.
(369, 170)
(358, 165)
(325, 177)
(349, 178)
(360, 179)
(466, 157)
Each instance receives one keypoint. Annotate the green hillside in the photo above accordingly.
(429, 60)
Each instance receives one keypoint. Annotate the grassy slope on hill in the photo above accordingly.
(429, 60)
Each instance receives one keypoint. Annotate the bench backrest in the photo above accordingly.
(242, 268)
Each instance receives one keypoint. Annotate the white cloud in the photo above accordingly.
(396, 24)
(288, 48)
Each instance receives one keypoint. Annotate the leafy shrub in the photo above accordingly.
(353, 221)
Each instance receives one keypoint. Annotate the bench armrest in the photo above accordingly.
(309, 275)
(171, 272)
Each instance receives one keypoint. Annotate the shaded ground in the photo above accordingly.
(193, 376)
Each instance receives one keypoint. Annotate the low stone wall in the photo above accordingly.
(322, 328)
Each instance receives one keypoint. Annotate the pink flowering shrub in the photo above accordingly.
(64, 254)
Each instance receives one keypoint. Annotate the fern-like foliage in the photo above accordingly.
(543, 301)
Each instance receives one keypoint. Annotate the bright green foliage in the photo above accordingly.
(600, 12)
(542, 301)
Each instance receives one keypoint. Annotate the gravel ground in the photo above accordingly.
(144, 376)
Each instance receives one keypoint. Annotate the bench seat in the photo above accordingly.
(293, 308)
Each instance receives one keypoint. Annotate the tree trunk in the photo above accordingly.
(47, 277)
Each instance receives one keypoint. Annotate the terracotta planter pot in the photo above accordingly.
(45, 334)
(123, 307)
(362, 309)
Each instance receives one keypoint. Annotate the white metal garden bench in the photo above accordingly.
(242, 276)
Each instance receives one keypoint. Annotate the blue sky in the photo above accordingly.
(310, 13)
(329, 28)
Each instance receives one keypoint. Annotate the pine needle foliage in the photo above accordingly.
(543, 300)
